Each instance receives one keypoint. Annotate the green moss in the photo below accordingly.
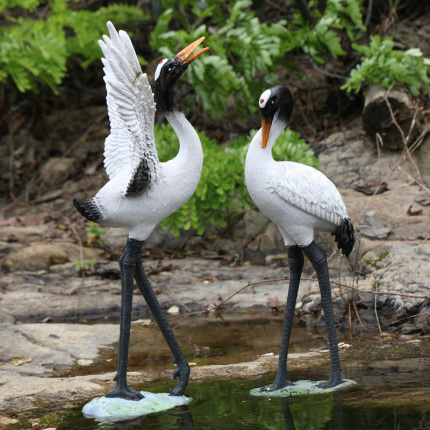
(110, 410)
(302, 388)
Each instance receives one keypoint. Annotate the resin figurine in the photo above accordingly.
(299, 200)
(141, 191)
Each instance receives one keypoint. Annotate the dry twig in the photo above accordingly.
(405, 139)
(286, 278)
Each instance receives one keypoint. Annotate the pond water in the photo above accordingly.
(227, 405)
(393, 377)
(227, 340)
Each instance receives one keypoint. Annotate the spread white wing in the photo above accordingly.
(309, 190)
(130, 147)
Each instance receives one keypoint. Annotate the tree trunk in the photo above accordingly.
(377, 118)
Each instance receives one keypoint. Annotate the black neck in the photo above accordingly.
(164, 98)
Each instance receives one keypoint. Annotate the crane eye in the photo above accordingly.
(159, 67)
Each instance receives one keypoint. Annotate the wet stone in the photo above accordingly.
(302, 388)
(109, 410)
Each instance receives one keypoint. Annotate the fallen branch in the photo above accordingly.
(376, 315)
(249, 284)
(268, 281)
(388, 324)
(414, 296)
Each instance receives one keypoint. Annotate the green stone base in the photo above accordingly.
(302, 388)
(108, 410)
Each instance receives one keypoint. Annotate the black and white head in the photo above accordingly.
(170, 70)
(276, 104)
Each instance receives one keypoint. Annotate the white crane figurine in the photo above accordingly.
(299, 200)
(141, 191)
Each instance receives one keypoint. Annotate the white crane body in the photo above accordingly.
(141, 191)
(297, 198)
(175, 183)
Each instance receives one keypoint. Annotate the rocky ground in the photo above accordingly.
(41, 246)
(385, 281)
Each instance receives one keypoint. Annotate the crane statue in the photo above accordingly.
(141, 191)
(299, 200)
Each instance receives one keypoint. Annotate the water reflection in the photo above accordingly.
(129, 424)
(316, 416)
(337, 411)
(185, 421)
(286, 412)
(182, 415)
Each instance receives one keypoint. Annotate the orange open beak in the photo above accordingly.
(265, 125)
(184, 55)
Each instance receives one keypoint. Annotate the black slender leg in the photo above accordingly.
(295, 263)
(319, 261)
(183, 369)
(127, 262)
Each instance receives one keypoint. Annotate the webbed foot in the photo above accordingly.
(125, 393)
(332, 382)
(278, 384)
(183, 372)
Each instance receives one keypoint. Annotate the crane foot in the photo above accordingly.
(183, 372)
(278, 384)
(332, 382)
(125, 393)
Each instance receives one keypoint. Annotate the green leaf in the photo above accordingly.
(386, 66)
(222, 222)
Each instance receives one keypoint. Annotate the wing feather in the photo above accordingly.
(309, 190)
(130, 147)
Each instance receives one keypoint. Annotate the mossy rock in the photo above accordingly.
(302, 388)
(109, 410)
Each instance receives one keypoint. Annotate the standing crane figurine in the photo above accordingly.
(141, 191)
(299, 200)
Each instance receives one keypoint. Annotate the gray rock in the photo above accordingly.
(52, 346)
(255, 222)
(57, 170)
(159, 238)
(34, 257)
(373, 227)
(39, 256)
(7, 247)
(114, 237)
(401, 269)
(348, 159)
(423, 158)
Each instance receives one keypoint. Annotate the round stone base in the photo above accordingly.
(301, 388)
(106, 410)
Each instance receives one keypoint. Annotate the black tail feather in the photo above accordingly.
(88, 209)
(345, 236)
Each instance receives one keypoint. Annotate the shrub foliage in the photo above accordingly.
(38, 37)
(35, 46)
(382, 64)
(221, 190)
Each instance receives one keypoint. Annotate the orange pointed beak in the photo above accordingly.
(266, 124)
(184, 55)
